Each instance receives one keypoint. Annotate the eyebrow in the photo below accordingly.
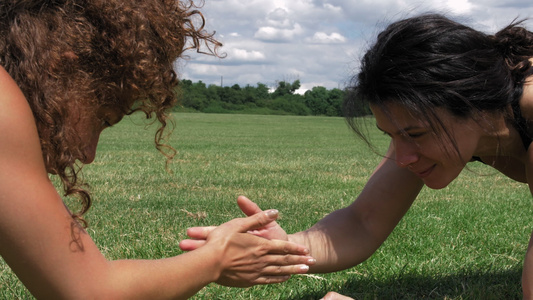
(406, 129)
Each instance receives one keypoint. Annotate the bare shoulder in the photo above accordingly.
(13, 102)
(18, 131)
(8, 86)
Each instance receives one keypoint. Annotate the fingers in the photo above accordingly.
(200, 233)
(248, 207)
(256, 221)
(277, 274)
(284, 247)
(198, 237)
(272, 274)
(285, 270)
(190, 245)
(290, 264)
(271, 279)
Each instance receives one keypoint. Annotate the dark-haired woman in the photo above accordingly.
(446, 95)
(68, 70)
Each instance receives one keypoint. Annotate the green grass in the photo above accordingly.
(463, 242)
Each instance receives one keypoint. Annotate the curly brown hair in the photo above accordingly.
(118, 53)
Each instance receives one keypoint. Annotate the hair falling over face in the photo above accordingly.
(431, 62)
(118, 53)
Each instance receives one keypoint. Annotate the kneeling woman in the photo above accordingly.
(446, 94)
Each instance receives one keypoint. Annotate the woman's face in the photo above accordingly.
(89, 123)
(429, 155)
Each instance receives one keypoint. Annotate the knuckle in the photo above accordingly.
(287, 259)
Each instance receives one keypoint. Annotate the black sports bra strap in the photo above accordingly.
(521, 125)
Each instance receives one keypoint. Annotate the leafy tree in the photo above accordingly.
(258, 99)
(291, 104)
(193, 94)
(317, 100)
(232, 95)
(262, 91)
(335, 99)
(284, 88)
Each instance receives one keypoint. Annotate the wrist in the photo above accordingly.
(211, 260)
(297, 238)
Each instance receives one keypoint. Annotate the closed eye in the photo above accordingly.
(416, 135)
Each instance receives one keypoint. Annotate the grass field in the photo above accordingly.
(463, 242)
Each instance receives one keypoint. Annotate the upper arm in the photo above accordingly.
(529, 169)
(38, 238)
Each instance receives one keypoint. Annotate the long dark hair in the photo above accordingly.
(429, 61)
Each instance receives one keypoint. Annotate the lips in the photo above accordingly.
(424, 173)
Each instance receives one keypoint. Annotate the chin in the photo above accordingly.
(87, 156)
(87, 160)
(436, 185)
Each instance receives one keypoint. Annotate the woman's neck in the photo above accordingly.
(501, 138)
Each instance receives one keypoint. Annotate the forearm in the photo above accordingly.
(337, 242)
(178, 277)
(231, 256)
(95, 277)
(350, 235)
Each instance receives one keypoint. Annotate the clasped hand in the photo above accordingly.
(253, 250)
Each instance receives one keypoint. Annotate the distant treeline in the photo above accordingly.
(319, 101)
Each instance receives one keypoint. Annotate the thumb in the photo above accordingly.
(247, 206)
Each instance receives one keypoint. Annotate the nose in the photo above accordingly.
(89, 152)
(406, 152)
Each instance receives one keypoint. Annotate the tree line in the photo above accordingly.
(319, 101)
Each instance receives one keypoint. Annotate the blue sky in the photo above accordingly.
(318, 42)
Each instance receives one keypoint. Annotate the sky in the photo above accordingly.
(318, 42)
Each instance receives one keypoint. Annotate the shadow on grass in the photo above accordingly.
(472, 285)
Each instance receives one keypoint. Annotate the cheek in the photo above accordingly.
(467, 148)
(452, 153)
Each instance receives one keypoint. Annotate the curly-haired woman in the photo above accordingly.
(70, 69)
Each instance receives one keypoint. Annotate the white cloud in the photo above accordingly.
(202, 69)
(245, 55)
(269, 33)
(278, 18)
(319, 41)
(333, 8)
(324, 38)
(459, 6)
